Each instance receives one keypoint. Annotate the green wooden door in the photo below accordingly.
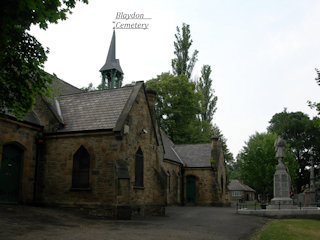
(191, 189)
(10, 173)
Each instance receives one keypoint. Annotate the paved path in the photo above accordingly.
(25, 222)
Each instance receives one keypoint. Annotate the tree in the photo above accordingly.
(183, 64)
(258, 163)
(303, 136)
(233, 170)
(227, 154)
(177, 105)
(22, 77)
(314, 104)
(89, 88)
(204, 86)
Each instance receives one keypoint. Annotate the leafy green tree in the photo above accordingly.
(177, 105)
(89, 88)
(22, 77)
(303, 136)
(227, 154)
(183, 63)
(314, 104)
(233, 170)
(257, 162)
(209, 102)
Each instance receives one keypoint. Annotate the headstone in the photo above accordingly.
(307, 199)
(281, 180)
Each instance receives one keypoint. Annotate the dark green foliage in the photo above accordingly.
(183, 64)
(314, 104)
(183, 109)
(209, 101)
(228, 156)
(21, 56)
(233, 171)
(303, 136)
(177, 104)
(257, 162)
(177, 107)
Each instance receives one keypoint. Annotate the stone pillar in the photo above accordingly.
(215, 152)
(281, 181)
(281, 186)
(312, 184)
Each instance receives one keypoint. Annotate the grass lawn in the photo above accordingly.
(289, 229)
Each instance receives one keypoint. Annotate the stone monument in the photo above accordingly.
(312, 184)
(281, 180)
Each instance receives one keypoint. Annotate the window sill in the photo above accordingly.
(80, 189)
(138, 187)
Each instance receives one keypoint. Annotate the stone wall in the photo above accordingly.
(204, 184)
(245, 196)
(105, 149)
(58, 164)
(219, 167)
(23, 136)
(149, 199)
(173, 171)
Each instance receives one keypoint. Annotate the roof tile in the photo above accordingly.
(94, 110)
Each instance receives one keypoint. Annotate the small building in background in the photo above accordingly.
(240, 192)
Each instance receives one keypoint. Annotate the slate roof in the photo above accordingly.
(31, 117)
(194, 155)
(168, 145)
(94, 110)
(236, 185)
(59, 88)
(63, 87)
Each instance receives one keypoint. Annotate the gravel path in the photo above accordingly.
(26, 222)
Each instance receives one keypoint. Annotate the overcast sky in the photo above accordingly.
(263, 53)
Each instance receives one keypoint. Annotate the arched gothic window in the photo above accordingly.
(139, 168)
(81, 166)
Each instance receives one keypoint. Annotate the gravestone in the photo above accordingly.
(281, 180)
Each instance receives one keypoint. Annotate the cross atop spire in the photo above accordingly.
(112, 69)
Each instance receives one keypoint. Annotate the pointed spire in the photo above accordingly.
(112, 69)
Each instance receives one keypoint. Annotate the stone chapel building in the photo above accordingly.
(103, 151)
(196, 173)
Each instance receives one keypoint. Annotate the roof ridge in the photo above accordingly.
(127, 107)
(55, 76)
(96, 91)
(188, 144)
(177, 155)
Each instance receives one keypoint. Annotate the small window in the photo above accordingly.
(81, 166)
(139, 168)
(236, 194)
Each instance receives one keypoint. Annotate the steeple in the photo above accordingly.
(112, 69)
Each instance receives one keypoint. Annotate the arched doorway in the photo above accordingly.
(10, 173)
(191, 189)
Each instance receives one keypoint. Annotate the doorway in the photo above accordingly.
(10, 173)
(191, 189)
